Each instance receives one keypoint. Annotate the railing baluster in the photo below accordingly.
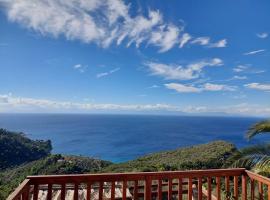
(218, 188)
(35, 195)
(227, 186)
(260, 186)
(88, 191)
(170, 189)
(190, 191)
(147, 188)
(135, 192)
(244, 187)
(63, 191)
(159, 189)
(180, 189)
(113, 191)
(124, 190)
(252, 192)
(235, 186)
(100, 192)
(268, 192)
(209, 188)
(76, 191)
(49, 193)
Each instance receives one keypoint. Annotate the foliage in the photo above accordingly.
(16, 148)
(258, 128)
(205, 156)
(53, 164)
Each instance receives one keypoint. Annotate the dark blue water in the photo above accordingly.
(125, 137)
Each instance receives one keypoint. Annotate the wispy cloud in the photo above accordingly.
(239, 77)
(79, 67)
(178, 72)
(254, 52)
(153, 86)
(247, 69)
(206, 41)
(259, 86)
(102, 22)
(262, 35)
(9, 103)
(182, 88)
(100, 75)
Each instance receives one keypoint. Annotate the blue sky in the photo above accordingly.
(112, 56)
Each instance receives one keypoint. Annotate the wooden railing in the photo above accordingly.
(216, 184)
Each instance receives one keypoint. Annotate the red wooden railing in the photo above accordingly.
(215, 184)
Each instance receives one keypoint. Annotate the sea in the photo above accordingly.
(119, 138)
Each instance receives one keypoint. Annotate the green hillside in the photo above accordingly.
(205, 156)
(16, 148)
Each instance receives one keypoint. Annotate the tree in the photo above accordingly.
(256, 157)
(258, 128)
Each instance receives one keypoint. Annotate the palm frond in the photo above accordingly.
(258, 128)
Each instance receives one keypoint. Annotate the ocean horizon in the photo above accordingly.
(123, 137)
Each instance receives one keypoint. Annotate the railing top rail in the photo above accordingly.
(258, 177)
(135, 176)
(17, 192)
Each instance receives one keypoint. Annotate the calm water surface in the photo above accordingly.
(124, 137)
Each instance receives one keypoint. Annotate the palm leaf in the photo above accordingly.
(258, 128)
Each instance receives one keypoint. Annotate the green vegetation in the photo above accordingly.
(16, 148)
(53, 164)
(205, 156)
(256, 157)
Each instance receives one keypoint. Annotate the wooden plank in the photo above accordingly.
(190, 189)
(258, 177)
(170, 188)
(180, 189)
(135, 192)
(147, 189)
(268, 192)
(227, 186)
(235, 187)
(113, 191)
(100, 192)
(252, 191)
(209, 188)
(124, 192)
(35, 195)
(159, 189)
(76, 191)
(108, 177)
(49, 194)
(63, 191)
(19, 189)
(244, 187)
(218, 188)
(260, 189)
(199, 188)
(88, 191)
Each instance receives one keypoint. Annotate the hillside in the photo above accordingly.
(16, 148)
(205, 156)
(53, 164)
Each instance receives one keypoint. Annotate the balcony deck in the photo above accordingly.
(215, 184)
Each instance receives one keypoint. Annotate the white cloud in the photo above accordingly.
(100, 75)
(201, 41)
(177, 72)
(181, 88)
(240, 68)
(262, 35)
(254, 52)
(184, 39)
(77, 66)
(10, 103)
(81, 68)
(239, 77)
(205, 41)
(258, 86)
(103, 22)
(153, 86)
(219, 44)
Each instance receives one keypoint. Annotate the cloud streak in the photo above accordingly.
(258, 86)
(178, 72)
(254, 52)
(103, 22)
(100, 75)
